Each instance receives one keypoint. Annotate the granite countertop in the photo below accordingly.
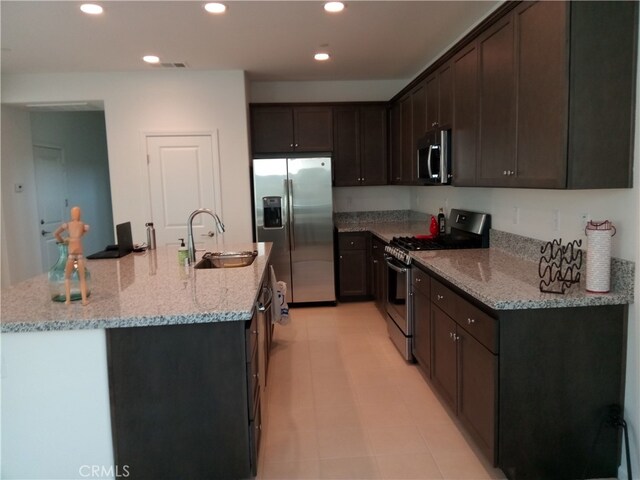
(504, 278)
(387, 230)
(503, 281)
(141, 289)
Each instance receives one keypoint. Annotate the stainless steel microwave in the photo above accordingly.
(434, 157)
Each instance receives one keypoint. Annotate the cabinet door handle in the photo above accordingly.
(471, 320)
(418, 280)
(291, 145)
(440, 297)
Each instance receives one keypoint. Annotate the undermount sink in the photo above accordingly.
(226, 259)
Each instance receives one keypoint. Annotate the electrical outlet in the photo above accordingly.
(555, 220)
(18, 187)
(516, 215)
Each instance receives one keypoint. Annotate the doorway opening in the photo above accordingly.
(71, 168)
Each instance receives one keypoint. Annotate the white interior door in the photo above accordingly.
(183, 176)
(51, 190)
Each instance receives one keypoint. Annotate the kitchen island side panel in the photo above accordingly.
(561, 370)
(177, 400)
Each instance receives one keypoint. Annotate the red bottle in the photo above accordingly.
(433, 227)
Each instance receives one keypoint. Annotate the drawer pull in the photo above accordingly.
(471, 320)
(418, 279)
(440, 297)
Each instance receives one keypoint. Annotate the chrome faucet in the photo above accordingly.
(190, 243)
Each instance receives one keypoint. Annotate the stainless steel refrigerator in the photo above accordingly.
(294, 210)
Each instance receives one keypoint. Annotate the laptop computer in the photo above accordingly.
(123, 247)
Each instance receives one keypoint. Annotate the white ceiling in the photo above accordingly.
(271, 40)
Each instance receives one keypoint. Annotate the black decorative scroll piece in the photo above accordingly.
(559, 266)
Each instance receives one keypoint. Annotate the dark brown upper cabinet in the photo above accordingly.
(408, 124)
(406, 140)
(395, 138)
(360, 145)
(556, 97)
(465, 115)
(439, 98)
(496, 146)
(540, 95)
(284, 128)
(419, 127)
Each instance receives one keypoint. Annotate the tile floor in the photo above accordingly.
(341, 403)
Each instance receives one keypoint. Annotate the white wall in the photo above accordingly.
(336, 91)
(55, 405)
(536, 211)
(158, 101)
(21, 257)
(83, 137)
(363, 199)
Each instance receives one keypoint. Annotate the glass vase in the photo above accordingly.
(57, 287)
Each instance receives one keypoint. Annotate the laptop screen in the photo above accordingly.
(124, 237)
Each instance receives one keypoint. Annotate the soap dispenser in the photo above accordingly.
(183, 253)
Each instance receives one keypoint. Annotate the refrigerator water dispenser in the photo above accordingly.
(272, 208)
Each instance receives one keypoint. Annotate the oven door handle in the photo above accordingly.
(394, 267)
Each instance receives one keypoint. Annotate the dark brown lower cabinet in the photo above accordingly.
(185, 400)
(353, 265)
(533, 388)
(445, 363)
(422, 329)
(477, 391)
(378, 274)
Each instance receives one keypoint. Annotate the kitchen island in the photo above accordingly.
(63, 364)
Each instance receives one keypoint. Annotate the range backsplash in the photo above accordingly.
(380, 216)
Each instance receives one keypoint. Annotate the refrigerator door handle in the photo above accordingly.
(292, 232)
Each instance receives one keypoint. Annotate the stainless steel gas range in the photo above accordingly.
(468, 230)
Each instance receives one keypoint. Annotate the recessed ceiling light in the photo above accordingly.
(215, 7)
(321, 56)
(334, 7)
(91, 8)
(151, 59)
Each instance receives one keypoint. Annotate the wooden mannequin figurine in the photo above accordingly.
(76, 229)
